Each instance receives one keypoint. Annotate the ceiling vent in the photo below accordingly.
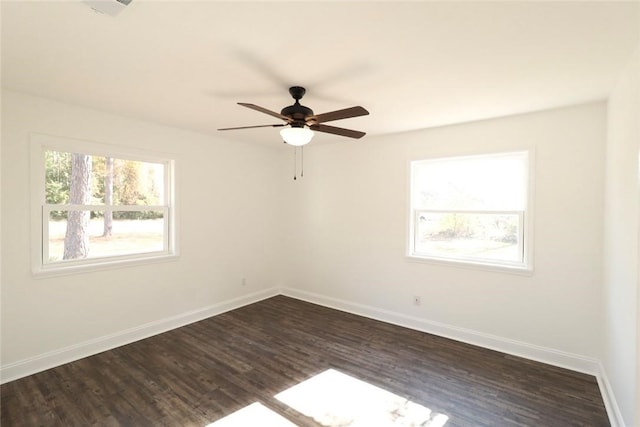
(108, 7)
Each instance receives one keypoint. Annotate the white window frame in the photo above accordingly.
(40, 210)
(525, 243)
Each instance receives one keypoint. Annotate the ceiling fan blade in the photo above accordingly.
(264, 110)
(338, 115)
(257, 126)
(338, 131)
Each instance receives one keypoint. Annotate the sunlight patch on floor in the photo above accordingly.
(334, 399)
(255, 414)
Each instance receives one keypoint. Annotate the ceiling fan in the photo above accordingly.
(300, 121)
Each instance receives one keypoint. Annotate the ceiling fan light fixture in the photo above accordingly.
(296, 136)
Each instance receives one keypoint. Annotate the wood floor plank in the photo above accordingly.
(198, 374)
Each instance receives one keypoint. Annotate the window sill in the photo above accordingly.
(473, 265)
(43, 272)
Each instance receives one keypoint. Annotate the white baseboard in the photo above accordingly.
(613, 410)
(54, 358)
(550, 356)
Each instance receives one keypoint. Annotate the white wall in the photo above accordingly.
(622, 225)
(348, 225)
(337, 235)
(229, 214)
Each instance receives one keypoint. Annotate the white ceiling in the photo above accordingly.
(411, 64)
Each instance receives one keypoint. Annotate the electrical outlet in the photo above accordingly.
(416, 300)
(243, 282)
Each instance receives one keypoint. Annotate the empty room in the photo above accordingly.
(320, 213)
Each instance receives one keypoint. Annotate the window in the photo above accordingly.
(471, 209)
(99, 205)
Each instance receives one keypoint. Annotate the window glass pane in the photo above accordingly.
(57, 176)
(137, 183)
(128, 233)
(103, 180)
(496, 182)
(481, 236)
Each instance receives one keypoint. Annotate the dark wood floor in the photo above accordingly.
(200, 373)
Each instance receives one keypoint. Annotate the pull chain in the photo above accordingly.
(295, 164)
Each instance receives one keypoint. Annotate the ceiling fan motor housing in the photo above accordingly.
(297, 112)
